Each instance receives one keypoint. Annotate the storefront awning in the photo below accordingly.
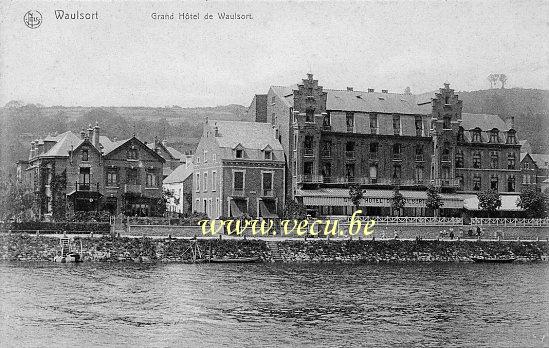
(84, 194)
(267, 209)
(338, 197)
(238, 208)
(508, 203)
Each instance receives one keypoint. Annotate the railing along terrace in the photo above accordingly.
(310, 178)
(510, 222)
(403, 220)
(446, 182)
(86, 186)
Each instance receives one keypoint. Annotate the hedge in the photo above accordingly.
(60, 227)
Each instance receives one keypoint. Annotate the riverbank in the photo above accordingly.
(32, 248)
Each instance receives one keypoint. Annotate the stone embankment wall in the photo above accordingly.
(22, 247)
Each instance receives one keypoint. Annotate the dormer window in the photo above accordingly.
(494, 138)
(511, 137)
(268, 154)
(476, 136)
(239, 153)
(85, 155)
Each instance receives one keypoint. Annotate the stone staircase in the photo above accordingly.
(275, 252)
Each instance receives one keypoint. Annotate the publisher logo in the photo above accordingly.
(32, 19)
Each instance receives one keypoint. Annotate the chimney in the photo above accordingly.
(310, 77)
(31, 150)
(90, 132)
(370, 90)
(447, 85)
(384, 91)
(510, 122)
(350, 89)
(96, 130)
(156, 147)
(82, 134)
(188, 160)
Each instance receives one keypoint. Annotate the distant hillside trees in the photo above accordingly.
(494, 78)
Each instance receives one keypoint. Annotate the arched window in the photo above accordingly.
(494, 136)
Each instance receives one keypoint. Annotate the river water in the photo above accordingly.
(331, 305)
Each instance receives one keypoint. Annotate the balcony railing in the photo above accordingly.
(326, 154)
(446, 182)
(133, 188)
(309, 178)
(373, 181)
(419, 158)
(308, 151)
(327, 128)
(397, 157)
(86, 186)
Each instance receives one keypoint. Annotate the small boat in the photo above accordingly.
(500, 259)
(236, 260)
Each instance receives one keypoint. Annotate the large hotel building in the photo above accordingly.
(334, 138)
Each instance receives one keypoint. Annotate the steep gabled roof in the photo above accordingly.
(541, 159)
(118, 144)
(179, 174)
(250, 135)
(65, 142)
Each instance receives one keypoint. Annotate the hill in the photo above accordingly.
(530, 107)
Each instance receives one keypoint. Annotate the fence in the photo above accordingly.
(405, 220)
(510, 222)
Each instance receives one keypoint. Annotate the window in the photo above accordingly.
(268, 154)
(477, 183)
(350, 118)
(494, 182)
(273, 99)
(374, 149)
(112, 177)
(267, 184)
(239, 153)
(151, 179)
(526, 165)
(447, 100)
(132, 176)
(350, 171)
(205, 156)
(419, 126)
(327, 149)
(308, 145)
(396, 151)
(459, 179)
(526, 179)
(214, 181)
(326, 122)
(205, 177)
(494, 159)
(373, 124)
(84, 179)
(326, 171)
(132, 154)
(350, 149)
(373, 173)
(214, 158)
(397, 171)
(419, 153)
(459, 159)
(396, 124)
(447, 122)
(308, 168)
(446, 153)
(476, 136)
(511, 181)
(295, 141)
(511, 137)
(238, 181)
(309, 115)
(476, 159)
(511, 160)
(197, 182)
(85, 155)
(419, 174)
(494, 137)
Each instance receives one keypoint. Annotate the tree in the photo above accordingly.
(356, 193)
(534, 202)
(15, 201)
(502, 79)
(489, 201)
(408, 90)
(58, 186)
(294, 210)
(434, 200)
(397, 201)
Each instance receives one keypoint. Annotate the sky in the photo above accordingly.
(126, 58)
